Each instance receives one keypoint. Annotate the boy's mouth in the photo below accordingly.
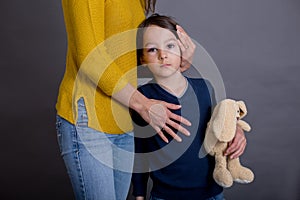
(166, 65)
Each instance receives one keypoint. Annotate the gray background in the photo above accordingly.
(255, 44)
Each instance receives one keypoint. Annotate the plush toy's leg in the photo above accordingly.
(221, 175)
(239, 173)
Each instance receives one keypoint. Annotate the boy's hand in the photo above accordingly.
(237, 146)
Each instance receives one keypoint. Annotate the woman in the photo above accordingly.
(94, 131)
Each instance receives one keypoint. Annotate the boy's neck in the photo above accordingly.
(175, 84)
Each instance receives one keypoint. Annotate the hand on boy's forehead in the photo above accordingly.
(155, 35)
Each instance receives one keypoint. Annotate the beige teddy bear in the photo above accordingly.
(221, 129)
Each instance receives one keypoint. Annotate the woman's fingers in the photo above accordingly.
(171, 132)
(179, 119)
(181, 46)
(161, 118)
(161, 134)
(167, 129)
(177, 126)
(185, 38)
(174, 116)
(187, 47)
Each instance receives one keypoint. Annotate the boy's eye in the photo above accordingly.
(170, 46)
(151, 49)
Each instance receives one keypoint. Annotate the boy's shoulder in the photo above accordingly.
(199, 82)
(150, 89)
(203, 86)
(147, 86)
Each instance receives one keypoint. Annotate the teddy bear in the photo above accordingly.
(220, 130)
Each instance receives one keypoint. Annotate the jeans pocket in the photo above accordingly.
(82, 119)
(59, 132)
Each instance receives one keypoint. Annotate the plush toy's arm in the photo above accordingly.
(244, 125)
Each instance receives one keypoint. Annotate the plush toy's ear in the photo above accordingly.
(224, 120)
(217, 119)
(243, 109)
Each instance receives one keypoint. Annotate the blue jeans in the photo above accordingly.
(99, 165)
(217, 197)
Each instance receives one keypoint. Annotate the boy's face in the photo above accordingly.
(161, 52)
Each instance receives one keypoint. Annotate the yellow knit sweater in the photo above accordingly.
(98, 61)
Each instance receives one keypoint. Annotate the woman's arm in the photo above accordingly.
(154, 112)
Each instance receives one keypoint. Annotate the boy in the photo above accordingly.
(176, 169)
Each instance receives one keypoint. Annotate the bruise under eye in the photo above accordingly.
(151, 49)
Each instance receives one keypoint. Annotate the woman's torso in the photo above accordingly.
(88, 24)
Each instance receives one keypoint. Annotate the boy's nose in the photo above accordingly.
(162, 54)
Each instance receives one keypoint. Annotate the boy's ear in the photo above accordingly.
(143, 61)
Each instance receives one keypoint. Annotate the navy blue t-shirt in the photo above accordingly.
(179, 170)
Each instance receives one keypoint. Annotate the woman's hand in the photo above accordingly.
(154, 112)
(187, 47)
(161, 119)
(158, 115)
(237, 145)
